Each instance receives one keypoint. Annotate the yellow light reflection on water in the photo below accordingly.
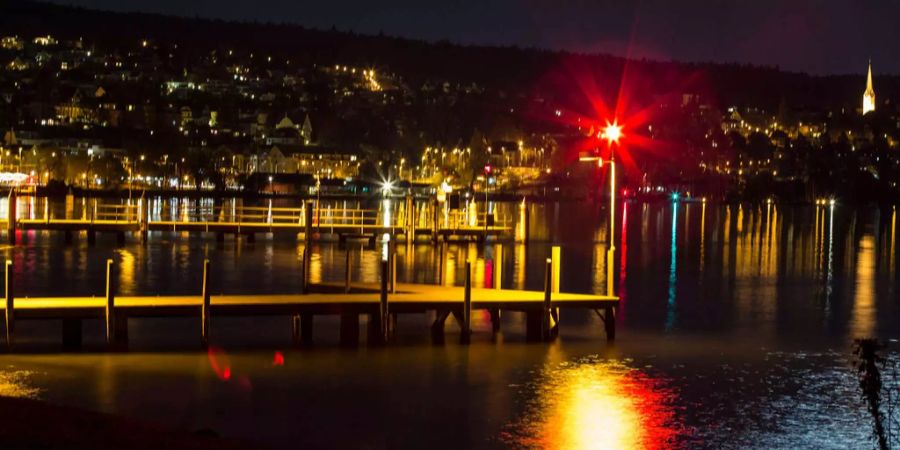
(15, 383)
(864, 310)
(597, 405)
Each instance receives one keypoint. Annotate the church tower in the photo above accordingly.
(869, 95)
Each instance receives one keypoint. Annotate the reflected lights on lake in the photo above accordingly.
(596, 404)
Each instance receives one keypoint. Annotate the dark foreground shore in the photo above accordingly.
(33, 424)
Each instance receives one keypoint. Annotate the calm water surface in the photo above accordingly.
(734, 332)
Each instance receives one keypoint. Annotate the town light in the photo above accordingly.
(387, 186)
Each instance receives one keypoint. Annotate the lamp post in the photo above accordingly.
(612, 133)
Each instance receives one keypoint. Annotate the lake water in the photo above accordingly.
(734, 331)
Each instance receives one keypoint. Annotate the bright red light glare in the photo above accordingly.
(612, 133)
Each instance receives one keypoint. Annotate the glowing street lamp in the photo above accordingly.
(612, 134)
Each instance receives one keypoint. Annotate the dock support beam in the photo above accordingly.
(307, 221)
(306, 329)
(110, 306)
(609, 323)
(466, 335)
(10, 306)
(498, 285)
(71, 334)
(304, 267)
(383, 305)
(144, 218)
(301, 329)
(538, 320)
(349, 329)
(12, 216)
(204, 312)
(348, 275)
(548, 322)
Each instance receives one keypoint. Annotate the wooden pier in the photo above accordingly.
(380, 303)
(314, 222)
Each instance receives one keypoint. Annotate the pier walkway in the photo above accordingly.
(408, 219)
(380, 304)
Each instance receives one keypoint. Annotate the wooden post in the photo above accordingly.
(555, 258)
(554, 286)
(545, 310)
(393, 269)
(609, 323)
(144, 218)
(295, 330)
(347, 272)
(12, 216)
(526, 236)
(498, 285)
(305, 267)
(72, 332)
(435, 221)
(306, 329)
(467, 306)
(498, 267)
(308, 221)
(383, 310)
(10, 306)
(110, 305)
(349, 329)
(204, 313)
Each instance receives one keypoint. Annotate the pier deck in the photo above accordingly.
(323, 299)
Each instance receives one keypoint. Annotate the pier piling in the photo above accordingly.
(467, 306)
(204, 313)
(383, 305)
(347, 272)
(11, 216)
(110, 305)
(10, 306)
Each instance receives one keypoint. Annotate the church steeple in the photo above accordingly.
(869, 95)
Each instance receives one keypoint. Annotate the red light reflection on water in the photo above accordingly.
(219, 363)
(597, 404)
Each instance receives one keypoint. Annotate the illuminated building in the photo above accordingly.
(869, 95)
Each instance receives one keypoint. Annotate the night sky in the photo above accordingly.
(816, 36)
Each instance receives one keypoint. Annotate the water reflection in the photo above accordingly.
(862, 322)
(682, 266)
(17, 383)
(596, 404)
